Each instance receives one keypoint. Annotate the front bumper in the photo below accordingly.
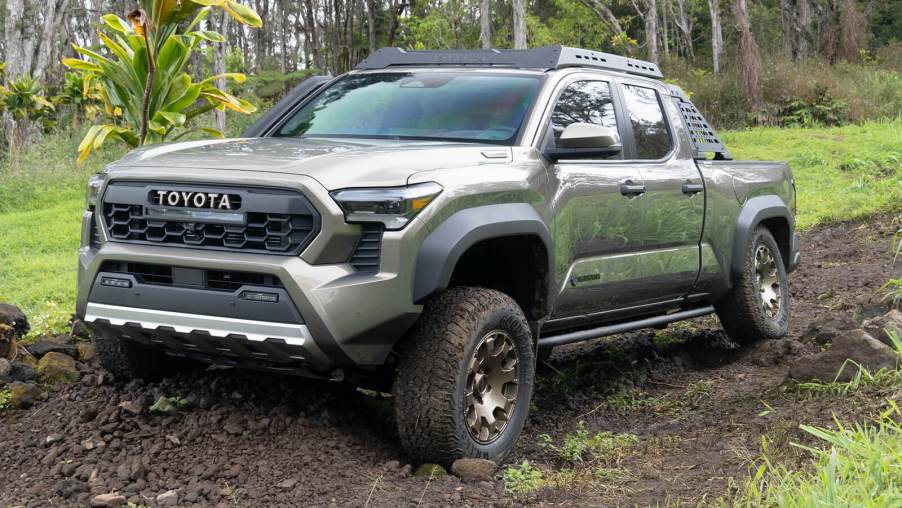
(344, 317)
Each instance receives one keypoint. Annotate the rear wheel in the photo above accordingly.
(466, 376)
(757, 307)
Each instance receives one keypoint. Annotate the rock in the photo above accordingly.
(132, 407)
(80, 329)
(56, 368)
(44, 346)
(287, 484)
(14, 318)
(474, 469)
(168, 498)
(880, 325)
(69, 487)
(767, 353)
(86, 351)
(52, 439)
(430, 470)
(19, 371)
(22, 395)
(847, 347)
(132, 469)
(825, 329)
(108, 500)
(92, 443)
(5, 367)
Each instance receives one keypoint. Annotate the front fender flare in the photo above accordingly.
(753, 212)
(442, 249)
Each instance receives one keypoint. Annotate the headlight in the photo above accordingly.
(95, 183)
(393, 206)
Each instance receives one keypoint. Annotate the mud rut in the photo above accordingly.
(691, 397)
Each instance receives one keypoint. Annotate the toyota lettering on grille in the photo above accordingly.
(193, 199)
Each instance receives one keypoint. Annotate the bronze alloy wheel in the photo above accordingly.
(491, 391)
(767, 281)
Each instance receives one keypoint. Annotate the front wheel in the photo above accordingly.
(466, 377)
(757, 307)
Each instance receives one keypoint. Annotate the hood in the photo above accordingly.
(335, 163)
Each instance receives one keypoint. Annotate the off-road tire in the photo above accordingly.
(741, 311)
(127, 359)
(432, 377)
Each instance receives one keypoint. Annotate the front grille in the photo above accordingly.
(369, 249)
(214, 280)
(272, 221)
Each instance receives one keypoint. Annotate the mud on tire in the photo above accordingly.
(445, 367)
(757, 307)
(126, 359)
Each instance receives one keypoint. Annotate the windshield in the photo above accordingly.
(452, 106)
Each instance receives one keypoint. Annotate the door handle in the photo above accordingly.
(690, 188)
(632, 189)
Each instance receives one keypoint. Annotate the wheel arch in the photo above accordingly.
(771, 212)
(448, 256)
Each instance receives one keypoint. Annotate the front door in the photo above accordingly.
(598, 210)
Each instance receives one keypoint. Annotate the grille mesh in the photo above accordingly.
(275, 233)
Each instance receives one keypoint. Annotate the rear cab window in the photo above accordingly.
(651, 136)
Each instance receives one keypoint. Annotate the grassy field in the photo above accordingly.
(841, 173)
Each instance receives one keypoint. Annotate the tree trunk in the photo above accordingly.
(716, 34)
(519, 24)
(371, 25)
(485, 24)
(651, 31)
(54, 13)
(749, 62)
(219, 67)
(685, 26)
(665, 29)
(310, 22)
(604, 12)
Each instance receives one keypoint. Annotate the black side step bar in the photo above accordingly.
(603, 331)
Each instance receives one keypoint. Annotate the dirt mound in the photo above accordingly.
(690, 399)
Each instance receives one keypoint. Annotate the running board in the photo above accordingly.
(603, 331)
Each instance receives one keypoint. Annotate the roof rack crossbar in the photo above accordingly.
(544, 58)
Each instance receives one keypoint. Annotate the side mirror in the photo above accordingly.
(586, 140)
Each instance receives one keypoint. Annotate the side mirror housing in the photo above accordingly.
(585, 140)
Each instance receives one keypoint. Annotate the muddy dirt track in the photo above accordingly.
(695, 404)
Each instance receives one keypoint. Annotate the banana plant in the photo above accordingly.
(82, 93)
(26, 104)
(140, 70)
(24, 100)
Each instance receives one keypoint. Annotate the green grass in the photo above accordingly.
(859, 465)
(841, 173)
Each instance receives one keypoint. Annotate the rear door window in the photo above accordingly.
(650, 134)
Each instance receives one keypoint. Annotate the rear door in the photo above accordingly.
(673, 214)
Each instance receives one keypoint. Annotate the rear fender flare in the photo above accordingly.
(753, 212)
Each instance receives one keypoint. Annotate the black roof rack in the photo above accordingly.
(544, 58)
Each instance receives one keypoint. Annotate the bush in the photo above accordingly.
(806, 93)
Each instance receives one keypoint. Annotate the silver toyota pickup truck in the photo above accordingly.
(431, 224)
